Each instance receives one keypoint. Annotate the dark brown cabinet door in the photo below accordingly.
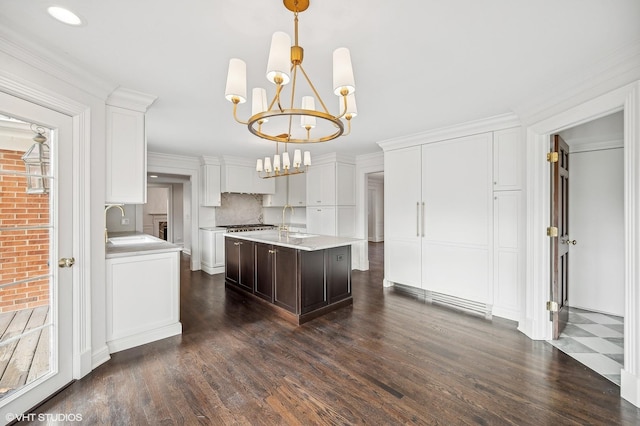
(247, 265)
(286, 279)
(313, 284)
(232, 260)
(264, 271)
(339, 273)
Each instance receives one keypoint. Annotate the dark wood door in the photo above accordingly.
(560, 244)
(247, 265)
(232, 260)
(286, 279)
(339, 273)
(313, 284)
(264, 271)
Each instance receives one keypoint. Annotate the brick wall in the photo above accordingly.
(23, 253)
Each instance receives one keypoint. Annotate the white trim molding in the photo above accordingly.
(365, 164)
(186, 166)
(536, 324)
(81, 163)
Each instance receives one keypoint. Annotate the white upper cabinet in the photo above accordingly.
(126, 147)
(297, 195)
(331, 184)
(321, 185)
(210, 185)
(507, 159)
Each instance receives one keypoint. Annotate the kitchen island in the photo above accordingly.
(143, 290)
(298, 276)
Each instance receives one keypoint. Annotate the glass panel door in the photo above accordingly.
(25, 268)
(36, 338)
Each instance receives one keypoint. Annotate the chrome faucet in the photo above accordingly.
(284, 228)
(106, 209)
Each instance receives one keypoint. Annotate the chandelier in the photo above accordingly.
(273, 119)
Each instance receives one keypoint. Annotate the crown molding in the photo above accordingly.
(612, 72)
(179, 161)
(209, 161)
(333, 157)
(25, 50)
(130, 99)
(489, 124)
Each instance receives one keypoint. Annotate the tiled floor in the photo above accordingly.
(596, 340)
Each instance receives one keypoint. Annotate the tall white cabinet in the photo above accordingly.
(449, 230)
(126, 147)
(331, 199)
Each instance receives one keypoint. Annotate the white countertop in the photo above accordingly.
(156, 245)
(213, 228)
(308, 243)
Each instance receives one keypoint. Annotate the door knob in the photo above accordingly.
(66, 262)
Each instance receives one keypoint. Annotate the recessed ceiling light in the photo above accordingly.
(64, 15)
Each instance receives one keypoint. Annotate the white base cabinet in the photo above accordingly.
(212, 251)
(143, 299)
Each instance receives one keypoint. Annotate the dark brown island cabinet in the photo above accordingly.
(296, 284)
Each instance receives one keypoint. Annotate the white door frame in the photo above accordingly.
(80, 114)
(535, 323)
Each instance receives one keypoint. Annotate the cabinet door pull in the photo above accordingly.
(272, 251)
(417, 219)
(423, 218)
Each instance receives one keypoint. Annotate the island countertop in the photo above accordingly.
(148, 245)
(295, 240)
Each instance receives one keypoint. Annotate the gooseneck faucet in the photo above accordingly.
(284, 228)
(106, 209)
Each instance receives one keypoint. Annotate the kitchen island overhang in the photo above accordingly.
(297, 276)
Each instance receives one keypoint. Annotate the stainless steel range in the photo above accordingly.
(248, 227)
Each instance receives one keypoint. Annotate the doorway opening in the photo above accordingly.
(594, 334)
(374, 215)
(166, 214)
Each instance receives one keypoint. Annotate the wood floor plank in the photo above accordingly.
(17, 369)
(388, 359)
(41, 362)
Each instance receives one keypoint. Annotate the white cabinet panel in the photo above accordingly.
(143, 299)
(126, 152)
(457, 190)
(346, 184)
(346, 221)
(508, 160)
(457, 271)
(321, 220)
(210, 195)
(321, 185)
(508, 243)
(212, 250)
(298, 190)
(402, 182)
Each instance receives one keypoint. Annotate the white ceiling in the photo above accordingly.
(419, 65)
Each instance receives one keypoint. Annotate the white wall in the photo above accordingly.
(596, 218)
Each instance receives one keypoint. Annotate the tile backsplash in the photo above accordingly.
(239, 209)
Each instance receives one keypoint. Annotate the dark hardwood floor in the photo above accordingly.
(388, 359)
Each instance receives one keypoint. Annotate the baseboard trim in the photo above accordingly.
(145, 337)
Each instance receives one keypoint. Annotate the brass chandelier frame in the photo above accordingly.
(255, 122)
